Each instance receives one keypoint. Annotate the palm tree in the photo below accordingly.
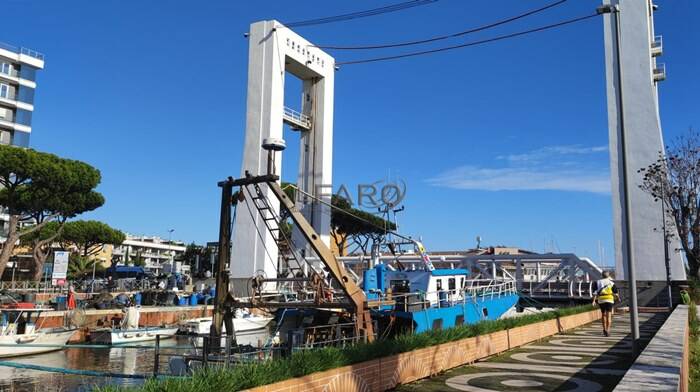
(80, 266)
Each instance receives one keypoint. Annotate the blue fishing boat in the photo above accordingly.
(424, 299)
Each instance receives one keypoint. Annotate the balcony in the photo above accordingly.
(659, 72)
(657, 46)
(24, 51)
(298, 121)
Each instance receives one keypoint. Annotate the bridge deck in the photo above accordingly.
(578, 360)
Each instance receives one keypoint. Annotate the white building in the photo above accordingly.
(158, 254)
(18, 68)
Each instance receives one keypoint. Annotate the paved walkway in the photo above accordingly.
(578, 360)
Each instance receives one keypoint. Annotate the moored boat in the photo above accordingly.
(19, 334)
(128, 330)
(242, 322)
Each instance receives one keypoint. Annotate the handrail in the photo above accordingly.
(22, 50)
(297, 117)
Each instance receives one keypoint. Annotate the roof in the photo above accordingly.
(449, 271)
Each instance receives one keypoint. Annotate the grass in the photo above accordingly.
(302, 363)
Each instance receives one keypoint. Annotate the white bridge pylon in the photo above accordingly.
(274, 51)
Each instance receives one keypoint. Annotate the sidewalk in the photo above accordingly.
(578, 360)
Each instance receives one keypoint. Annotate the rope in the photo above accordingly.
(92, 373)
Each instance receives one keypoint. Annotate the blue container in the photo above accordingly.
(137, 298)
(61, 302)
(182, 301)
(193, 300)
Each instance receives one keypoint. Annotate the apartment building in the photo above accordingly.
(18, 70)
(155, 252)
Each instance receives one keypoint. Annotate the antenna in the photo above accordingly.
(271, 145)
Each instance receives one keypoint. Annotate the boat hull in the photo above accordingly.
(467, 312)
(38, 343)
(116, 337)
(243, 324)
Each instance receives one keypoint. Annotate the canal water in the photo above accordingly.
(113, 359)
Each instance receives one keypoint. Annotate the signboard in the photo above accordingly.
(60, 267)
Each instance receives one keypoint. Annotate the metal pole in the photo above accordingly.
(628, 252)
(92, 284)
(221, 276)
(156, 358)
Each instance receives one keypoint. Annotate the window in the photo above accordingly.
(439, 284)
(5, 137)
(461, 283)
(4, 90)
(437, 324)
(459, 320)
(5, 68)
(451, 285)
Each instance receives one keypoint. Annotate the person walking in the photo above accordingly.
(605, 294)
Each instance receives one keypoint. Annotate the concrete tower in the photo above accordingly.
(275, 50)
(639, 49)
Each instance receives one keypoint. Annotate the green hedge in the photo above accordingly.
(305, 362)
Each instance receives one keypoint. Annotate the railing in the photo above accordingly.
(21, 50)
(657, 46)
(477, 289)
(297, 118)
(659, 72)
(574, 289)
(13, 73)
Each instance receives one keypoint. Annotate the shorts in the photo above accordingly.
(605, 307)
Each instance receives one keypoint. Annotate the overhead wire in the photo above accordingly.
(447, 36)
(468, 44)
(361, 14)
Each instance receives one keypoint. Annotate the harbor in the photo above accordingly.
(553, 267)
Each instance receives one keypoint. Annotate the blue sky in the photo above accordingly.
(506, 140)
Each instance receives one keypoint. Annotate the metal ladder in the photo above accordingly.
(272, 222)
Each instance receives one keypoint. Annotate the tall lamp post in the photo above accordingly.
(170, 248)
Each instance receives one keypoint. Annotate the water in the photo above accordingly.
(114, 359)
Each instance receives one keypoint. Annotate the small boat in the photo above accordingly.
(243, 321)
(114, 336)
(128, 331)
(19, 334)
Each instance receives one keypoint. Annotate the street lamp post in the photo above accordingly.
(170, 248)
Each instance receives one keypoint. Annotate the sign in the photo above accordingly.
(60, 266)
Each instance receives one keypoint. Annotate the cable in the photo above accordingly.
(443, 37)
(361, 14)
(474, 43)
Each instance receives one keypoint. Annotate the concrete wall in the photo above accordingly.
(386, 373)
(663, 365)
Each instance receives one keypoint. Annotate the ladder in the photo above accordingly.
(273, 223)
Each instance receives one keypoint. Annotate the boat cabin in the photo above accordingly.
(436, 286)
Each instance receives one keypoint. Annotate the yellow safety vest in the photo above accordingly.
(606, 294)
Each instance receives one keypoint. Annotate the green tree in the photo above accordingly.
(357, 226)
(90, 236)
(40, 242)
(80, 266)
(40, 188)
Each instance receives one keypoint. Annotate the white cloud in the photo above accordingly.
(558, 168)
(552, 152)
